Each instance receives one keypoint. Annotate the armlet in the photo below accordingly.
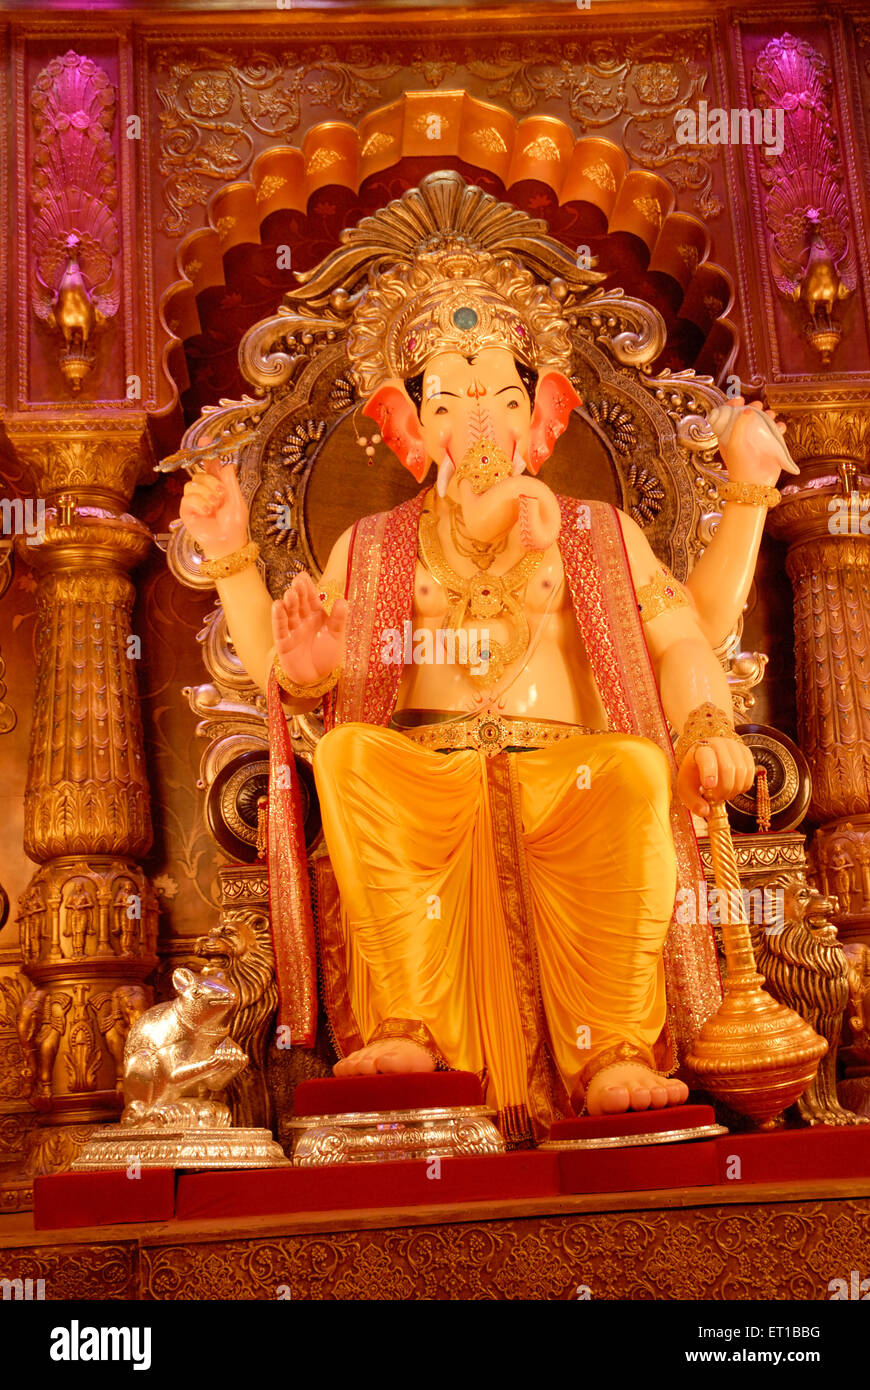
(661, 594)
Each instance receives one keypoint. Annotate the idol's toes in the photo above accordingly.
(632, 1087)
(612, 1100)
(348, 1066)
(403, 1056)
(393, 1055)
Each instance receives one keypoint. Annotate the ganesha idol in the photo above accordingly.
(506, 816)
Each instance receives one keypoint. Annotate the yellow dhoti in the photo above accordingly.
(515, 905)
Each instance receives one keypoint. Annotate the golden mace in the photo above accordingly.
(754, 1054)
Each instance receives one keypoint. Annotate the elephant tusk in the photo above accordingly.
(446, 469)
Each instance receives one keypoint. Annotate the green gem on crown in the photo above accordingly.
(465, 318)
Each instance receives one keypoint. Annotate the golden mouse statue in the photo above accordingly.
(505, 821)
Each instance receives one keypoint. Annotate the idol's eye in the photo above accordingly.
(442, 410)
(513, 405)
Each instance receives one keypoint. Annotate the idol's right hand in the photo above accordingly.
(309, 642)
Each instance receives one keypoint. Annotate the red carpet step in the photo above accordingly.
(103, 1199)
(362, 1186)
(806, 1155)
(344, 1095)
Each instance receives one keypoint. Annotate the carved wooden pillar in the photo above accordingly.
(826, 520)
(87, 921)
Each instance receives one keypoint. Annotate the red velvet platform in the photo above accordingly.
(639, 1167)
(497, 1177)
(103, 1199)
(810, 1155)
(795, 1155)
(345, 1095)
(637, 1123)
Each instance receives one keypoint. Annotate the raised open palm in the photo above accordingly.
(309, 642)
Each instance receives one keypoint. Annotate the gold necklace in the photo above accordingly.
(482, 596)
(481, 552)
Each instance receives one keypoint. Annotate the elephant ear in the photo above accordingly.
(555, 398)
(396, 417)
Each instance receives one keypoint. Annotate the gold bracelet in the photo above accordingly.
(231, 564)
(304, 692)
(706, 722)
(750, 494)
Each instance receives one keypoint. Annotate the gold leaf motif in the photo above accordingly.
(271, 183)
(544, 148)
(432, 124)
(489, 139)
(224, 225)
(601, 173)
(322, 159)
(689, 255)
(192, 269)
(649, 209)
(378, 142)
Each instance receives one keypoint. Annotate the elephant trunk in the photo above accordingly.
(520, 500)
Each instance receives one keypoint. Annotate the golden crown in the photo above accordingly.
(446, 267)
(453, 300)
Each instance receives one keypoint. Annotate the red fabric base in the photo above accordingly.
(358, 1186)
(62, 1200)
(639, 1169)
(344, 1095)
(795, 1155)
(66, 1200)
(634, 1122)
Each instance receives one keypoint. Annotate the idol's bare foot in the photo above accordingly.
(632, 1086)
(390, 1055)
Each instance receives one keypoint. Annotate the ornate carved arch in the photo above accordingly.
(455, 125)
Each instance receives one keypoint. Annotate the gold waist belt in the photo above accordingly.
(490, 733)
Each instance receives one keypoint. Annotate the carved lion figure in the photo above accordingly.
(805, 968)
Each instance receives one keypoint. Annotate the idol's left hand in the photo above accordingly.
(751, 450)
(715, 769)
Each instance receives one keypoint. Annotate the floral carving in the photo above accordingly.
(213, 103)
(644, 79)
(743, 1252)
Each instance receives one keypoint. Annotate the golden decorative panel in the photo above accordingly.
(745, 1252)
